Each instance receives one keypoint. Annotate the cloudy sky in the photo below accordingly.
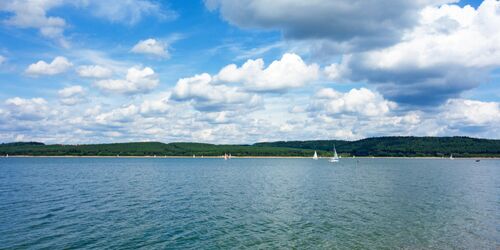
(226, 71)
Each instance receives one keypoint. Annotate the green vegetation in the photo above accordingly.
(147, 149)
(403, 146)
(380, 146)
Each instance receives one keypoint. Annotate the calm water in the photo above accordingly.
(253, 203)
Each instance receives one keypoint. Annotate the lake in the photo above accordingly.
(249, 203)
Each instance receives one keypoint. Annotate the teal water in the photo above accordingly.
(249, 203)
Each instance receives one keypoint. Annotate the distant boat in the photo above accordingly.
(335, 157)
(229, 156)
(226, 157)
(478, 160)
(194, 156)
(451, 156)
(315, 156)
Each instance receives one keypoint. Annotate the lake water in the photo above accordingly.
(249, 203)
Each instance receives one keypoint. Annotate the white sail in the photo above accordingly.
(315, 157)
(335, 157)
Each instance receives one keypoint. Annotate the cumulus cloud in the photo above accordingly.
(205, 95)
(33, 14)
(2, 59)
(119, 115)
(155, 107)
(361, 101)
(451, 50)
(471, 112)
(355, 24)
(288, 72)
(59, 65)
(137, 80)
(27, 109)
(151, 47)
(94, 71)
(72, 95)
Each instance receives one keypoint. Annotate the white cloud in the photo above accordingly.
(446, 34)
(72, 95)
(288, 72)
(471, 112)
(33, 14)
(2, 59)
(19, 137)
(207, 96)
(27, 109)
(452, 49)
(333, 72)
(154, 107)
(151, 47)
(94, 71)
(136, 81)
(58, 65)
(361, 101)
(119, 115)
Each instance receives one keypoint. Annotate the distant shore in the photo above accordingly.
(240, 157)
(379, 147)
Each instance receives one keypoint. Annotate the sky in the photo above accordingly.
(226, 71)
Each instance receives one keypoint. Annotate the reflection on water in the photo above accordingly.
(258, 203)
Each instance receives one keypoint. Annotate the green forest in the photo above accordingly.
(378, 146)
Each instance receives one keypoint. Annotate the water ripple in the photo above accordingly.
(248, 203)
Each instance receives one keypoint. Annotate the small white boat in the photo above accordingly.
(226, 157)
(194, 156)
(335, 157)
(315, 156)
(451, 156)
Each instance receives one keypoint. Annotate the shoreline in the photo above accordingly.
(243, 157)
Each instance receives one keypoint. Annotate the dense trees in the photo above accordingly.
(402, 146)
(380, 146)
(149, 149)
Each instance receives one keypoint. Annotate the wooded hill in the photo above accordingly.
(378, 146)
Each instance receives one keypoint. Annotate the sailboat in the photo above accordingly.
(451, 156)
(225, 156)
(335, 157)
(315, 156)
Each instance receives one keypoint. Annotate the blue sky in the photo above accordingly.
(225, 71)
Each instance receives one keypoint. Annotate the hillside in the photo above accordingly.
(401, 146)
(379, 146)
(147, 149)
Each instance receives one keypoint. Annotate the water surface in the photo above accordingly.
(249, 203)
